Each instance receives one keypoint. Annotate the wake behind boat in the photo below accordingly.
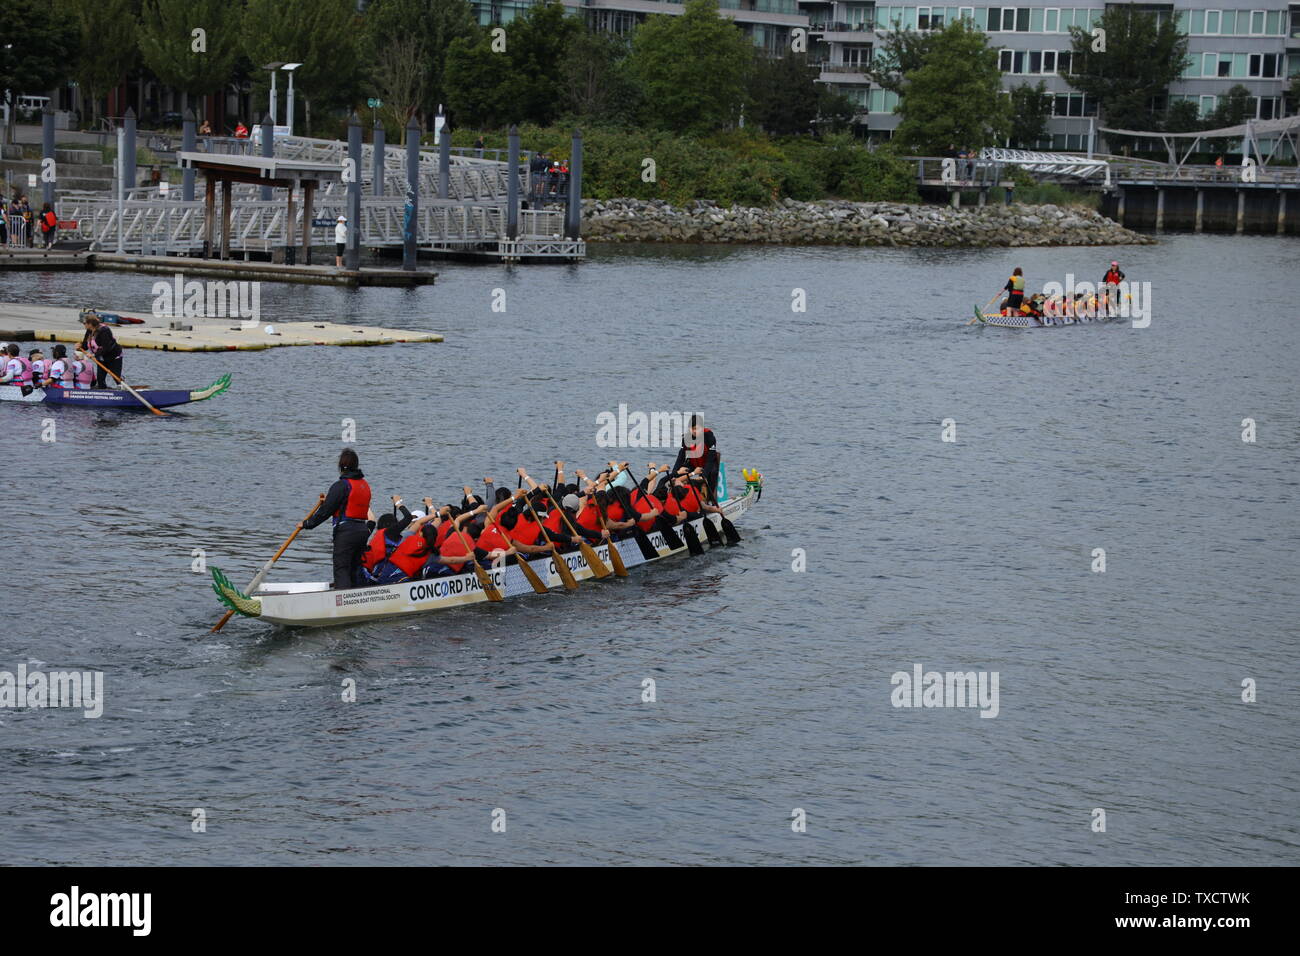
(314, 604)
(111, 397)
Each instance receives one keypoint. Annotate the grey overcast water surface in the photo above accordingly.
(1119, 691)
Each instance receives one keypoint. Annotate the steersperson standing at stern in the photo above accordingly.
(348, 503)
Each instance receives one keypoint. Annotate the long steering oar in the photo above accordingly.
(484, 581)
(261, 575)
(598, 567)
(561, 566)
(140, 398)
(979, 313)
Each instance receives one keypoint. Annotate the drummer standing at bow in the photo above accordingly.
(104, 348)
(699, 451)
(347, 503)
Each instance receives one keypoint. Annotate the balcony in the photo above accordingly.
(838, 26)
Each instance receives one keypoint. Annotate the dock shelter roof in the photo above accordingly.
(261, 170)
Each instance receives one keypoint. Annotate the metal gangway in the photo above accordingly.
(471, 219)
(1059, 167)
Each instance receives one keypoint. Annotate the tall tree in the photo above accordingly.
(1128, 67)
(106, 47)
(319, 34)
(899, 53)
(38, 41)
(955, 97)
(479, 83)
(536, 44)
(596, 81)
(691, 68)
(1030, 108)
(191, 45)
(1183, 117)
(783, 94)
(433, 25)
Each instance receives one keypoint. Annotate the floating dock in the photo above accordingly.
(34, 323)
(41, 260)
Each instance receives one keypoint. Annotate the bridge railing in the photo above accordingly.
(970, 173)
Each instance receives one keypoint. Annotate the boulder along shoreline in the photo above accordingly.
(836, 222)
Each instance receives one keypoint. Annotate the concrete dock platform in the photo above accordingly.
(41, 260)
(36, 323)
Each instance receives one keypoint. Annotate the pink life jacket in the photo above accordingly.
(63, 369)
(83, 373)
(24, 376)
(40, 370)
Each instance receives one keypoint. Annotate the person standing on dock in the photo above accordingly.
(103, 348)
(49, 226)
(340, 240)
(347, 503)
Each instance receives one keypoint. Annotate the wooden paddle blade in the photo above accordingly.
(619, 568)
(598, 567)
(486, 584)
(563, 570)
(222, 623)
(533, 578)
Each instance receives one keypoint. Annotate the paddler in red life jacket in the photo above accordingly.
(347, 504)
(385, 539)
(1110, 287)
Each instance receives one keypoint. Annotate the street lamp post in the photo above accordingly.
(288, 96)
(272, 67)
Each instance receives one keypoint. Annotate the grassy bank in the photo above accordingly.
(737, 168)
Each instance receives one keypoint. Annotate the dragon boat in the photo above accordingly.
(317, 605)
(1021, 321)
(111, 397)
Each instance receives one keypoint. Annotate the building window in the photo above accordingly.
(1212, 22)
(1064, 60)
(1207, 104)
(1051, 20)
(1004, 61)
(1049, 61)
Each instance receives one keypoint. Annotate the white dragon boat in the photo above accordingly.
(315, 604)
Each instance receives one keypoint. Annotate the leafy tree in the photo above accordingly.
(426, 29)
(900, 52)
(167, 43)
(783, 94)
(1030, 108)
(478, 82)
(1233, 110)
(835, 110)
(691, 68)
(38, 41)
(536, 44)
(319, 34)
(106, 47)
(1183, 117)
(596, 79)
(955, 97)
(1141, 58)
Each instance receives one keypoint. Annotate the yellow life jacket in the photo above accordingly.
(1017, 283)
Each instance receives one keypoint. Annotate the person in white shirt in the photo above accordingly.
(340, 240)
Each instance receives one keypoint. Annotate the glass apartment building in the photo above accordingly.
(1256, 47)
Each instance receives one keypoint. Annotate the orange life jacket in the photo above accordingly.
(703, 447)
(357, 505)
(525, 531)
(493, 537)
(411, 554)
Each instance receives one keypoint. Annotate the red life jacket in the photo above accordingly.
(670, 506)
(526, 530)
(690, 501)
(410, 555)
(459, 544)
(444, 529)
(377, 550)
(643, 506)
(589, 516)
(614, 512)
(1112, 276)
(554, 521)
(357, 505)
(703, 446)
(493, 537)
